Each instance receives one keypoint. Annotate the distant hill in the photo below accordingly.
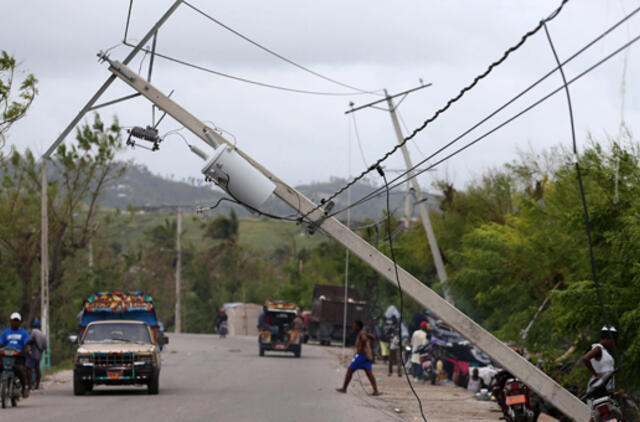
(140, 188)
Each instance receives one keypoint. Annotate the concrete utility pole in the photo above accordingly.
(178, 319)
(44, 262)
(413, 184)
(422, 206)
(44, 246)
(540, 382)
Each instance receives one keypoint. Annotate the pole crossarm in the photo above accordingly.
(408, 91)
(90, 105)
(540, 382)
(110, 80)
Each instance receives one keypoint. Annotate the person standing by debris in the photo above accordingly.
(418, 339)
(599, 359)
(362, 359)
(474, 383)
(395, 348)
(38, 346)
(383, 340)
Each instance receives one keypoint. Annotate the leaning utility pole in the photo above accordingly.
(537, 380)
(417, 192)
(178, 320)
(44, 240)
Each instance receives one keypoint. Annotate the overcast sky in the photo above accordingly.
(369, 44)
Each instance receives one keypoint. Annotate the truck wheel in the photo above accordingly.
(297, 353)
(261, 351)
(153, 387)
(79, 387)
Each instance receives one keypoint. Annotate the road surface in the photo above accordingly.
(205, 378)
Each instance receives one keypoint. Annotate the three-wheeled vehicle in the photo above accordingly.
(276, 329)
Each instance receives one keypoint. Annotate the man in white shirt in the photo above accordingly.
(419, 338)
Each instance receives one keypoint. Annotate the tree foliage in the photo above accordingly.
(15, 97)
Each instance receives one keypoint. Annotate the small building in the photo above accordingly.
(243, 318)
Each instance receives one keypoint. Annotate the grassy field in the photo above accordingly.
(260, 234)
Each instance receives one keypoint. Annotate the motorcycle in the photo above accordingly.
(514, 398)
(223, 330)
(428, 364)
(11, 387)
(603, 406)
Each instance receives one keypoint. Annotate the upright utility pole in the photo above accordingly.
(413, 184)
(44, 262)
(44, 246)
(178, 318)
(422, 206)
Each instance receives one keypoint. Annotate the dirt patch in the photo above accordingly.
(445, 402)
(59, 377)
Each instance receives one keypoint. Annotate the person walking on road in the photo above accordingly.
(418, 339)
(395, 348)
(38, 346)
(362, 359)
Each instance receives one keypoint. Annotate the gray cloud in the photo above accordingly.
(364, 43)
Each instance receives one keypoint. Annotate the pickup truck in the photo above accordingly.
(118, 343)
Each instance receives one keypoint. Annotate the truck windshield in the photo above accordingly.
(117, 333)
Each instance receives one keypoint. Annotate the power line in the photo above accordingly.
(395, 268)
(126, 28)
(245, 80)
(275, 54)
(448, 104)
(406, 128)
(357, 132)
(516, 97)
(481, 137)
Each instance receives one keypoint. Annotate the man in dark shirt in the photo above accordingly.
(222, 317)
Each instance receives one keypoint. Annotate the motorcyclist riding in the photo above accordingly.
(222, 317)
(17, 338)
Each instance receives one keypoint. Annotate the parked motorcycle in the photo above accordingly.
(515, 398)
(604, 407)
(11, 387)
(428, 364)
(223, 330)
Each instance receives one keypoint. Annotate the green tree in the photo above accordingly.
(15, 99)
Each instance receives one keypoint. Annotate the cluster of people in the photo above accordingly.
(30, 346)
(388, 340)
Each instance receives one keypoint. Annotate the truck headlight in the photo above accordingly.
(84, 359)
(145, 359)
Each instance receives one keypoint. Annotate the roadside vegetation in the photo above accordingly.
(513, 240)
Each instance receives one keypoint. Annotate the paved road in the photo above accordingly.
(205, 378)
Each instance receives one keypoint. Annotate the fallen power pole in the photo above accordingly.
(44, 230)
(541, 383)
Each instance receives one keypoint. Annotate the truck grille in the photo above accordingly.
(113, 359)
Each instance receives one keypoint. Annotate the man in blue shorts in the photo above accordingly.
(362, 359)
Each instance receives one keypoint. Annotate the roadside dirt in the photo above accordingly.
(60, 377)
(445, 402)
